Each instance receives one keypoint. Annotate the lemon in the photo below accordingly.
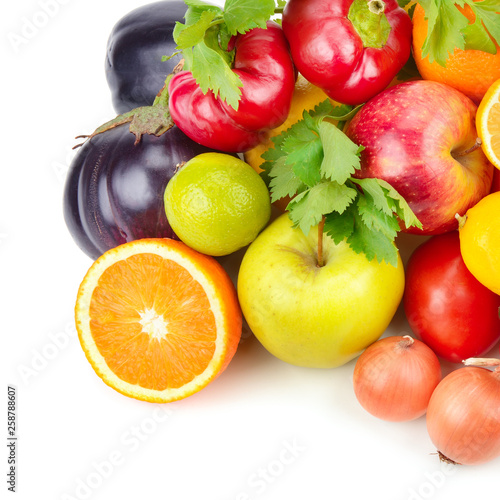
(480, 241)
(217, 204)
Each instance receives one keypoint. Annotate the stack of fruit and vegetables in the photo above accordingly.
(302, 138)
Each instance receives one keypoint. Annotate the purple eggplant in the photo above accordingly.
(134, 68)
(114, 189)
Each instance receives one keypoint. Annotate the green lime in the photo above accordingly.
(217, 204)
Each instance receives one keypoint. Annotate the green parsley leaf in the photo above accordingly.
(307, 208)
(283, 181)
(401, 207)
(486, 13)
(314, 161)
(477, 39)
(448, 28)
(341, 155)
(211, 71)
(444, 30)
(304, 151)
(243, 15)
(372, 187)
(196, 9)
(403, 3)
(374, 244)
(340, 226)
(198, 3)
(204, 41)
(375, 219)
(188, 36)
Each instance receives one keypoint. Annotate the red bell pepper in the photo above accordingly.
(265, 67)
(350, 49)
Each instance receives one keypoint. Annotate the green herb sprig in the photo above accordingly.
(313, 162)
(204, 41)
(448, 28)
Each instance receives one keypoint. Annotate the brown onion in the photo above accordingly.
(463, 418)
(394, 378)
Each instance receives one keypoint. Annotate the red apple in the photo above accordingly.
(416, 135)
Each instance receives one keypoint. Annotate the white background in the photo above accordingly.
(80, 439)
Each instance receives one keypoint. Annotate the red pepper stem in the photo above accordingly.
(376, 6)
(370, 22)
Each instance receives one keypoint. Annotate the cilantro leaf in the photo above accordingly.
(401, 207)
(374, 189)
(307, 208)
(374, 244)
(188, 36)
(341, 158)
(486, 12)
(270, 156)
(283, 181)
(375, 219)
(314, 161)
(205, 37)
(340, 226)
(444, 29)
(197, 3)
(350, 227)
(448, 28)
(476, 38)
(304, 150)
(243, 15)
(211, 72)
(195, 11)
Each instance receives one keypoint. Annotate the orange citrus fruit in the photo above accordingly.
(479, 234)
(157, 320)
(305, 97)
(470, 71)
(488, 123)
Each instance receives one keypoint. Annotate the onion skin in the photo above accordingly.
(463, 417)
(395, 377)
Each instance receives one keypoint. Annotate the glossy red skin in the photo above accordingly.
(410, 132)
(495, 185)
(328, 51)
(264, 64)
(446, 307)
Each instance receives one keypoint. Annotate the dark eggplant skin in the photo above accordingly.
(134, 70)
(114, 189)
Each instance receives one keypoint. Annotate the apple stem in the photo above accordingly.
(476, 145)
(321, 227)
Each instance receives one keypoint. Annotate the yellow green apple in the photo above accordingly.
(311, 315)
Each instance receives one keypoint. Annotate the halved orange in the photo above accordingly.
(488, 123)
(157, 320)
